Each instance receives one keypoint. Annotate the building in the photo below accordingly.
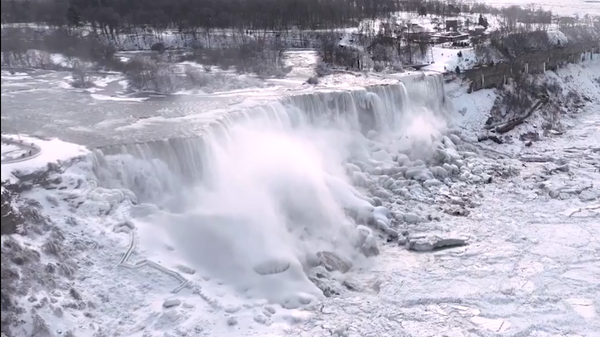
(412, 28)
(416, 28)
(477, 31)
(452, 25)
(479, 28)
(449, 37)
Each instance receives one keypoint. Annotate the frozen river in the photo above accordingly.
(43, 104)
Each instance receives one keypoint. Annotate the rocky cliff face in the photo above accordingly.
(10, 216)
(22, 269)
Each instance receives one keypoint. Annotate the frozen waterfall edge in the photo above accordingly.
(380, 108)
(291, 175)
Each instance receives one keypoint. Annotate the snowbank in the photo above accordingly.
(447, 59)
(101, 97)
(52, 151)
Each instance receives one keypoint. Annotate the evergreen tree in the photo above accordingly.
(483, 22)
(73, 18)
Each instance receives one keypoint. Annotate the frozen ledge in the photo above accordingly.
(31, 150)
(40, 153)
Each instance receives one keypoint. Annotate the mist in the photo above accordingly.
(275, 190)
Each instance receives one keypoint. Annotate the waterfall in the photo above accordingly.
(269, 186)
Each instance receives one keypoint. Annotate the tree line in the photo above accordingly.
(113, 16)
(383, 49)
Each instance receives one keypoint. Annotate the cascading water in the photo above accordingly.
(254, 198)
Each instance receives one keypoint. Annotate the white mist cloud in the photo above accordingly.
(275, 190)
(274, 194)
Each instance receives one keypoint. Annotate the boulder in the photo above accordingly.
(439, 172)
(333, 262)
(431, 183)
(170, 303)
(383, 194)
(352, 168)
(402, 159)
(420, 174)
(382, 155)
(366, 241)
(272, 266)
(430, 242)
(360, 179)
(455, 139)
(410, 218)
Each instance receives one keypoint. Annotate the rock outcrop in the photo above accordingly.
(431, 242)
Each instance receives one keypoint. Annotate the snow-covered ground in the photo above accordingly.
(447, 59)
(53, 151)
(472, 110)
(530, 266)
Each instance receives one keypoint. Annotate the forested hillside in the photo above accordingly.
(115, 15)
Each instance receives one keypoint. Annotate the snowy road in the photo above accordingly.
(532, 270)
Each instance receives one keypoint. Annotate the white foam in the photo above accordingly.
(100, 97)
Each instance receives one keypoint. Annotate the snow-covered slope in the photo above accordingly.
(531, 267)
(472, 110)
